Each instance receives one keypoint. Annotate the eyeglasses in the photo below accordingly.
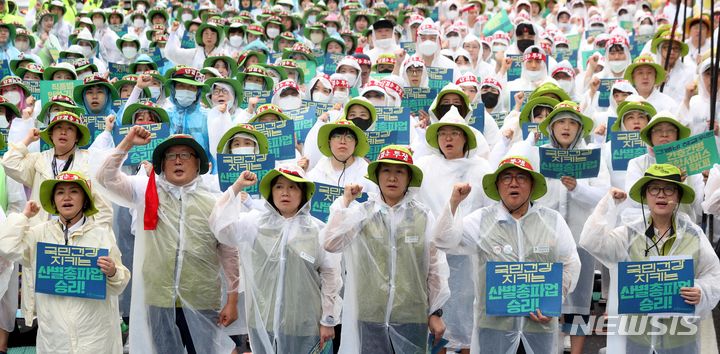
(183, 156)
(453, 134)
(220, 91)
(506, 179)
(661, 131)
(668, 191)
(415, 72)
(343, 136)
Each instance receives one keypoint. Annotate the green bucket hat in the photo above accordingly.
(64, 66)
(32, 68)
(186, 75)
(235, 84)
(11, 28)
(627, 106)
(645, 60)
(665, 37)
(299, 48)
(362, 147)
(9, 106)
(269, 68)
(663, 117)
(14, 80)
(176, 140)
(550, 88)
(95, 80)
(128, 115)
(284, 35)
(75, 119)
(261, 57)
(127, 37)
(334, 38)
(229, 62)
(274, 20)
(257, 71)
(489, 180)
(158, 11)
(47, 188)
(63, 101)
(396, 155)
(315, 27)
(256, 29)
(451, 119)
(289, 64)
(142, 59)
(213, 26)
(526, 112)
(662, 172)
(293, 173)
(268, 109)
(23, 32)
(571, 107)
(451, 88)
(363, 102)
(223, 146)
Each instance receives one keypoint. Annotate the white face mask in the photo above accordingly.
(617, 66)
(13, 96)
(236, 41)
(331, 30)
(565, 27)
(464, 68)
(290, 102)
(316, 38)
(350, 78)
(154, 91)
(141, 7)
(339, 97)
(566, 85)
(98, 22)
(624, 18)
(84, 75)
(129, 52)
(428, 48)
(273, 32)
(185, 97)
(4, 122)
(454, 42)
(243, 150)
(384, 44)
(646, 29)
(377, 102)
(534, 75)
(318, 96)
(499, 48)
(452, 14)
(87, 51)
(139, 23)
(253, 86)
(187, 17)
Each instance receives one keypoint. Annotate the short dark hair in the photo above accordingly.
(303, 194)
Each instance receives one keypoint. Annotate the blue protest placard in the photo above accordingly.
(610, 122)
(230, 167)
(577, 163)
(654, 286)
(499, 118)
(637, 43)
(309, 69)
(693, 154)
(319, 55)
(5, 68)
(567, 54)
(515, 68)
(532, 128)
(281, 138)
(518, 288)
(117, 71)
(625, 146)
(34, 87)
(331, 61)
(263, 96)
(320, 107)
(439, 77)
(525, 99)
(394, 119)
(304, 119)
(587, 54)
(69, 271)
(477, 118)
(604, 92)
(186, 41)
(574, 41)
(409, 47)
(4, 132)
(380, 139)
(140, 153)
(418, 98)
(50, 88)
(155, 55)
(275, 57)
(324, 196)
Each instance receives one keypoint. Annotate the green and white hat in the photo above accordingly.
(569, 107)
(47, 188)
(179, 140)
(293, 173)
(243, 129)
(451, 88)
(663, 117)
(648, 60)
(396, 155)
(363, 102)
(489, 181)
(67, 104)
(69, 117)
(666, 173)
(526, 112)
(94, 80)
(266, 109)
(361, 146)
(128, 117)
(64, 66)
(234, 84)
(632, 103)
(451, 119)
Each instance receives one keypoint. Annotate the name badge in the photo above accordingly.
(411, 239)
(541, 249)
(307, 257)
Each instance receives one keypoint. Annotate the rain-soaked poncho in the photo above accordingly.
(491, 234)
(396, 277)
(69, 324)
(183, 268)
(439, 177)
(292, 284)
(611, 245)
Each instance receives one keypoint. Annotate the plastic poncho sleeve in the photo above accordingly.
(330, 284)
(178, 55)
(711, 205)
(14, 245)
(344, 225)
(438, 272)
(218, 124)
(707, 272)
(567, 255)
(102, 142)
(448, 233)
(20, 164)
(599, 236)
(124, 190)
(117, 283)
(231, 222)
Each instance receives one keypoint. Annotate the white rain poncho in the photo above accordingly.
(395, 276)
(491, 234)
(439, 177)
(292, 284)
(69, 324)
(183, 269)
(324, 172)
(611, 245)
(697, 115)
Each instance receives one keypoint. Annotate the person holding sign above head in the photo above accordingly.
(663, 128)
(513, 230)
(695, 111)
(68, 324)
(208, 38)
(176, 299)
(292, 284)
(667, 232)
(396, 277)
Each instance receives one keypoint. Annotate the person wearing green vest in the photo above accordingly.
(667, 232)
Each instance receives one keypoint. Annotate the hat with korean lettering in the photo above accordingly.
(95, 80)
(213, 26)
(451, 119)
(8, 81)
(666, 37)
(243, 131)
(666, 173)
(268, 109)
(128, 117)
(664, 117)
(68, 117)
(396, 155)
(324, 134)
(65, 102)
(158, 156)
(292, 172)
(256, 71)
(490, 180)
(230, 63)
(566, 109)
(632, 103)
(210, 84)
(9, 108)
(47, 189)
(30, 68)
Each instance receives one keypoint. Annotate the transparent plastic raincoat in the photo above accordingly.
(396, 277)
(69, 324)
(292, 285)
(177, 265)
(611, 245)
(491, 234)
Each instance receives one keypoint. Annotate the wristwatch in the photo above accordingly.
(438, 313)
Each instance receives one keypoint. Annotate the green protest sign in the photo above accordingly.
(499, 22)
(694, 154)
(308, 68)
(60, 87)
